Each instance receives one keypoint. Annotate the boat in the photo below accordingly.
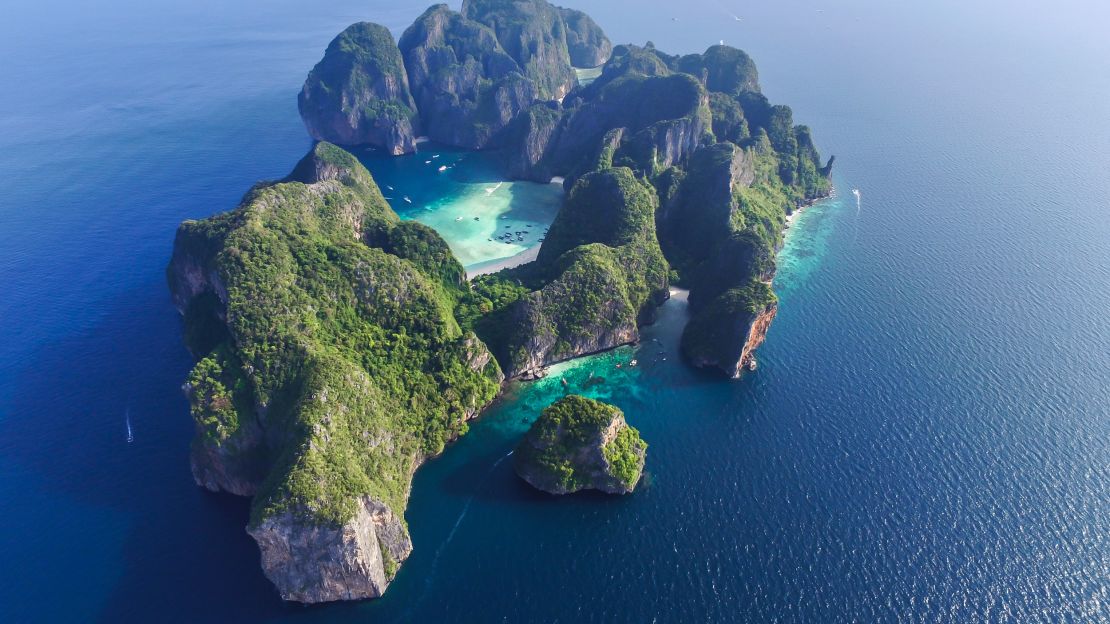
(633, 362)
(407, 199)
(458, 218)
(443, 168)
(752, 364)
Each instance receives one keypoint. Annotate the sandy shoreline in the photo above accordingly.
(524, 257)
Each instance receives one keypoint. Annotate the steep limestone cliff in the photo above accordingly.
(535, 36)
(467, 87)
(359, 93)
(310, 562)
(725, 332)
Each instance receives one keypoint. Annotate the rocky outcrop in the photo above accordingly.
(723, 242)
(601, 275)
(313, 562)
(329, 366)
(467, 87)
(661, 121)
(724, 333)
(722, 69)
(586, 42)
(580, 444)
(359, 93)
(545, 327)
(525, 156)
(534, 34)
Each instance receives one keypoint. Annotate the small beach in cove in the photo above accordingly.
(490, 223)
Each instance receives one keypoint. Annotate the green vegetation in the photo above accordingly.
(218, 394)
(358, 93)
(348, 356)
(598, 273)
(625, 454)
(389, 564)
(565, 451)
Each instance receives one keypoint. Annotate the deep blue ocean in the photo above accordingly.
(927, 438)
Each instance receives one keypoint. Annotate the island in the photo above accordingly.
(338, 347)
(581, 444)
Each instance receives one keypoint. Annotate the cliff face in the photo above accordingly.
(644, 123)
(725, 333)
(535, 36)
(586, 42)
(699, 217)
(309, 562)
(330, 365)
(359, 93)
(581, 444)
(467, 87)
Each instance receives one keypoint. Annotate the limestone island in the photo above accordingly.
(581, 444)
(338, 347)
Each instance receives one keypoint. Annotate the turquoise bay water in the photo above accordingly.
(927, 437)
(484, 217)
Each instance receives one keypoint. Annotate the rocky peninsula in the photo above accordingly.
(338, 347)
(581, 444)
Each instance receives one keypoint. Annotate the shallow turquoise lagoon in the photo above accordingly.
(484, 218)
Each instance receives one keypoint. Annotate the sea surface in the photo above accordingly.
(927, 438)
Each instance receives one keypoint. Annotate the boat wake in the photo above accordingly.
(458, 521)
(491, 190)
(127, 420)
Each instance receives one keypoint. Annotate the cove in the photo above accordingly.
(486, 219)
